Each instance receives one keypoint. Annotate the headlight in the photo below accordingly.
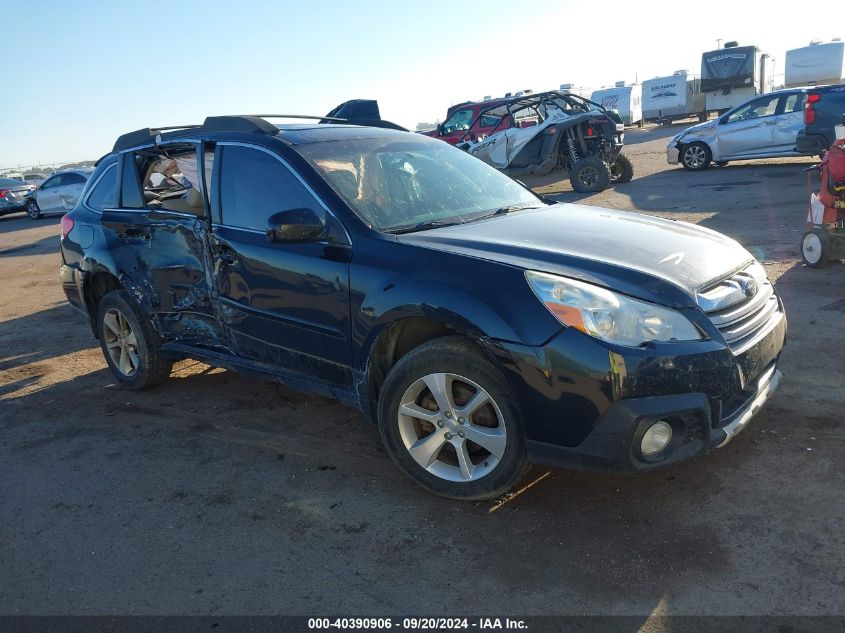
(607, 315)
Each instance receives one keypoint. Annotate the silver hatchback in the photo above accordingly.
(57, 194)
(764, 127)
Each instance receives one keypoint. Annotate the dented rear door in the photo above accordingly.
(162, 258)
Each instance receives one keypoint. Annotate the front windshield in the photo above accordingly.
(397, 185)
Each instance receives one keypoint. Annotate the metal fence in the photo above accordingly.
(44, 169)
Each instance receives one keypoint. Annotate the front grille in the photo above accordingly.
(743, 307)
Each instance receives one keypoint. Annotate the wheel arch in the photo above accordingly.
(403, 331)
(101, 279)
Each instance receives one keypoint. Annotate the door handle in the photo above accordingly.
(136, 234)
(227, 256)
(771, 122)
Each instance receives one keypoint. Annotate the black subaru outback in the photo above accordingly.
(479, 325)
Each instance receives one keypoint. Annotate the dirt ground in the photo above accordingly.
(220, 494)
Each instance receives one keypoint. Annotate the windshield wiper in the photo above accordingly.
(506, 210)
(424, 226)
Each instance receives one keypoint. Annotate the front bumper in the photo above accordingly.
(672, 154)
(613, 445)
(586, 406)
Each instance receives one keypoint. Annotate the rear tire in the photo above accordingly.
(696, 156)
(32, 209)
(703, 116)
(622, 170)
(435, 402)
(130, 345)
(590, 175)
(815, 248)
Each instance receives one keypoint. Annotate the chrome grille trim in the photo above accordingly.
(743, 321)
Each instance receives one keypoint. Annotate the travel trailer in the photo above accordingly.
(678, 96)
(815, 65)
(578, 91)
(625, 100)
(732, 75)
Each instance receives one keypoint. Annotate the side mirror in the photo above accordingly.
(440, 129)
(295, 225)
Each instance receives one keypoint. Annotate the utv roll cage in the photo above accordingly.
(538, 105)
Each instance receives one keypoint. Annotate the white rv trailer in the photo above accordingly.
(732, 75)
(677, 96)
(578, 91)
(626, 100)
(815, 65)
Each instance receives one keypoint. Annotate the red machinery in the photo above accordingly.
(825, 236)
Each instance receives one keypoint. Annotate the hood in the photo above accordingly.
(700, 127)
(658, 260)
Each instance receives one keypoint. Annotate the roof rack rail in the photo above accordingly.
(299, 116)
(251, 123)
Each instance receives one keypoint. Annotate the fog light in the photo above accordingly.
(656, 438)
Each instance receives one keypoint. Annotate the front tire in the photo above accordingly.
(32, 209)
(622, 170)
(696, 156)
(590, 175)
(449, 422)
(129, 343)
(815, 248)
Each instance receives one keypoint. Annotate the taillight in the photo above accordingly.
(809, 110)
(4, 193)
(589, 131)
(67, 225)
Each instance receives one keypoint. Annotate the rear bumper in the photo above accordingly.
(73, 284)
(8, 206)
(811, 144)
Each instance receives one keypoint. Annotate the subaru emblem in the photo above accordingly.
(749, 286)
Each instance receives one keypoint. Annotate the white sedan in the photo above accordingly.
(764, 127)
(57, 194)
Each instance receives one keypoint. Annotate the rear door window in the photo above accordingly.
(793, 103)
(165, 178)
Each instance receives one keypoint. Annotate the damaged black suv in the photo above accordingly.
(480, 326)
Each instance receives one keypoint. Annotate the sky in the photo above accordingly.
(80, 73)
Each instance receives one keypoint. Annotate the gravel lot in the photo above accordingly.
(220, 494)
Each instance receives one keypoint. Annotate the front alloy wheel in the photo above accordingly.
(696, 156)
(449, 421)
(32, 209)
(452, 427)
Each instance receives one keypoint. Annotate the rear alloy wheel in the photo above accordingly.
(32, 209)
(129, 343)
(622, 170)
(448, 421)
(814, 248)
(590, 175)
(696, 156)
